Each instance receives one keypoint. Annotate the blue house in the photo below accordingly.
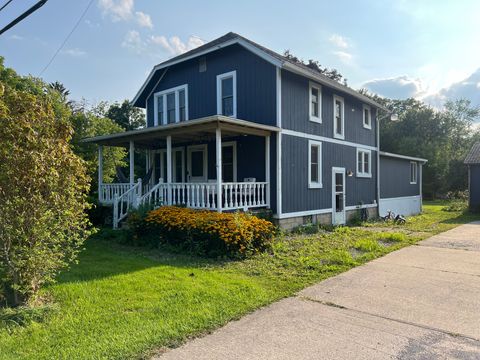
(232, 125)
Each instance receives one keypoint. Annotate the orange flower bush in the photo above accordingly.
(209, 232)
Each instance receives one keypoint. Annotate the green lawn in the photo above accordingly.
(121, 302)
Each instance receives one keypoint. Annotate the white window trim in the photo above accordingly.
(416, 172)
(163, 93)
(335, 135)
(367, 125)
(234, 145)
(315, 185)
(363, 174)
(233, 75)
(317, 119)
(175, 150)
(203, 147)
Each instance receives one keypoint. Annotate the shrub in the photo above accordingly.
(210, 233)
(393, 237)
(367, 245)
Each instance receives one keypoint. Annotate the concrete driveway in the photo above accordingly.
(421, 302)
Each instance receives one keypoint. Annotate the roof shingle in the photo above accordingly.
(473, 156)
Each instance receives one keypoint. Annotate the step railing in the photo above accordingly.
(107, 191)
(126, 201)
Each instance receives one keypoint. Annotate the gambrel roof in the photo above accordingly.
(265, 53)
(473, 156)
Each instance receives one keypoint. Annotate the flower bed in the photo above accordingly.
(210, 233)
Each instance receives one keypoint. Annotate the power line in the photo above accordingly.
(23, 16)
(4, 6)
(66, 39)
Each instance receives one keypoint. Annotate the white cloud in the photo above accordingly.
(344, 56)
(144, 20)
(134, 42)
(400, 87)
(175, 45)
(16, 37)
(75, 52)
(339, 41)
(123, 10)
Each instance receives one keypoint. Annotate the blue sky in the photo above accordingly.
(427, 49)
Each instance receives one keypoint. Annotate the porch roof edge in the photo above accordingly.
(165, 129)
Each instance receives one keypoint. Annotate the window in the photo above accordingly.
(227, 94)
(171, 106)
(367, 117)
(338, 117)
(315, 103)
(364, 163)
(229, 161)
(314, 164)
(413, 172)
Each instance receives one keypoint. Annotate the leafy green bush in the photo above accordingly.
(455, 206)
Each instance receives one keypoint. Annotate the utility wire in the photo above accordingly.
(66, 39)
(4, 6)
(27, 13)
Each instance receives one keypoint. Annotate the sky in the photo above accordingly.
(425, 49)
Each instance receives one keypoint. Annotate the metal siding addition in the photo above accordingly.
(395, 178)
(296, 194)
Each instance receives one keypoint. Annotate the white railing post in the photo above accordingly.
(132, 162)
(115, 211)
(169, 168)
(267, 170)
(218, 142)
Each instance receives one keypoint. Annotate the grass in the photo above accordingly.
(121, 302)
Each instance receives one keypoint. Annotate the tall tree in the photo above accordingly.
(126, 115)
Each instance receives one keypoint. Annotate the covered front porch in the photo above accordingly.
(214, 163)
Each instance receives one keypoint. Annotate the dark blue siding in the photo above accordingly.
(475, 188)
(256, 85)
(395, 178)
(296, 196)
(295, 111)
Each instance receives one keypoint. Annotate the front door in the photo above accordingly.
(197, 166)
(338, 196)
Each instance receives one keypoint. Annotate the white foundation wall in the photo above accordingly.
(407, 205)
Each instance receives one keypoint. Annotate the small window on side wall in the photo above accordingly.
(364, 163)
(227, 94)
(315, 102)
(338, 117)
(314, 164)
(367, 117)
(413, 172)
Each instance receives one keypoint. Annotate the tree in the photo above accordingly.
(87, 124)
(126, 115)
(43, 187)
(315, 65)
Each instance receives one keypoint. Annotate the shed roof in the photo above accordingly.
(473, 156)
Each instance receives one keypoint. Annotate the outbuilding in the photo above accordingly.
(473, 162)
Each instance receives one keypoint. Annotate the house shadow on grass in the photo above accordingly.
(102, 259)
(464, 218)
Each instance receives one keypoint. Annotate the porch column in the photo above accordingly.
(218, 143)
(132, 162)
(169, 168)
(267, 169)
(100, 173)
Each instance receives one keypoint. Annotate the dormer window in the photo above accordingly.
(171, 106)
(227, 94)
(315, 103)
(367, 117)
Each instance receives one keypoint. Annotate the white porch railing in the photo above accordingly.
(107, 192)
(235, 195)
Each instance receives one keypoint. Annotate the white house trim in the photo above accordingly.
(367, 124)
(279, 97)
(220, 77)
(342, 114)
(302, 213)
(414, 179)
(164, 93)
(383, 153)
(362, 173)
(312, 85)
(279, 174)
(319, 184)
(325, 139)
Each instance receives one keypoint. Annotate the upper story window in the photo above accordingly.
(367, 117)
(171, 106)
(227, 94)
(413, 172)
(314, 164)
(364, 163)
(338, 117)
(315, 102)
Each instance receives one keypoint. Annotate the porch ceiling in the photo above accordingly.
(201, 129)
